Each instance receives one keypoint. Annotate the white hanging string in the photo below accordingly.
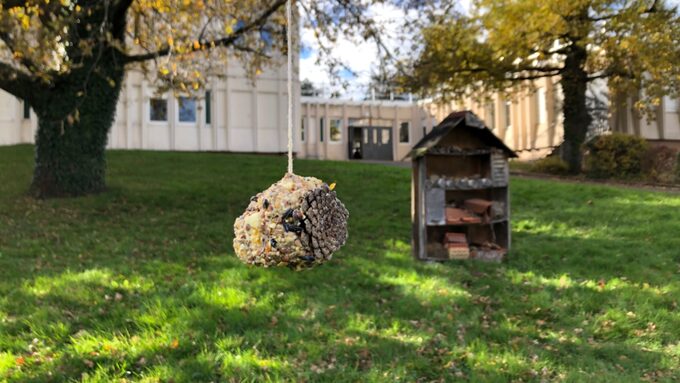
(289, 27)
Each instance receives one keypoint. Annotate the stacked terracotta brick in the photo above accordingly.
(298, 222)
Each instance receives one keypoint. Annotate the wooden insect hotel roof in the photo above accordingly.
(459, 120)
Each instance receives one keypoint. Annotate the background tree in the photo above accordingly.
(308, 89)
(504, 44)
(67, 59)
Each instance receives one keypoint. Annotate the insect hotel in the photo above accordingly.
(460, 200)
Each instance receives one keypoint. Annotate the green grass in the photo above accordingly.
(141, 284)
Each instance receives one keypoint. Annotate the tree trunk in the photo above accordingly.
(74, 118)
(574, 83)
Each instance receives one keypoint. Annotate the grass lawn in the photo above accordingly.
(141, 284)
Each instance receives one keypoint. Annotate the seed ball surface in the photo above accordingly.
(298, 222)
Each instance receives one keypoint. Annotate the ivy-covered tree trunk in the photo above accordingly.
(74, 119)
(574, 84)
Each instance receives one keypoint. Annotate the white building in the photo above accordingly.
(235, 115)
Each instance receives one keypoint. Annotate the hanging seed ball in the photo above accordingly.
(297, 222)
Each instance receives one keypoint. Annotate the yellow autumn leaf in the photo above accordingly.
(25, 21)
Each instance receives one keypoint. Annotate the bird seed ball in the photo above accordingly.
(298, 222)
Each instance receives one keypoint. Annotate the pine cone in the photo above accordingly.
(297, 222)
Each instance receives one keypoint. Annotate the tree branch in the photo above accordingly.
(8, 4)
(15, 81)
(244, 48)
(609, 73)
(650, 9)
(225, 41)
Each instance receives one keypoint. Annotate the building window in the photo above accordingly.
(385, 136)
(490, 116)
(321, 129)
(405, 132)
(186, 108)
(158, 109)
(335, 130)
(208, 107)
(27, 110)
(508, 115)
(541, 107)
(302, 129)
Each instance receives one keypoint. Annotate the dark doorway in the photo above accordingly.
(356, 149)
(370, 143)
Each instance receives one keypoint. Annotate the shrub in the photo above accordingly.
(550, 165)
(659, 164)
(615, 156)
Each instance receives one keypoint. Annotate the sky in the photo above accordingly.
(361, 58)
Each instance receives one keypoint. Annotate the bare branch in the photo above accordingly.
(225, 41)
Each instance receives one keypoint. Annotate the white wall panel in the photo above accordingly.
(268, 111)
(186, 137)
(241, 110)
(10, 126)
(158, 136)
(268, 141)
(221, 140)
(241, 140)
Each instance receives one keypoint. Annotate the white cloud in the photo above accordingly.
(361, 57)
